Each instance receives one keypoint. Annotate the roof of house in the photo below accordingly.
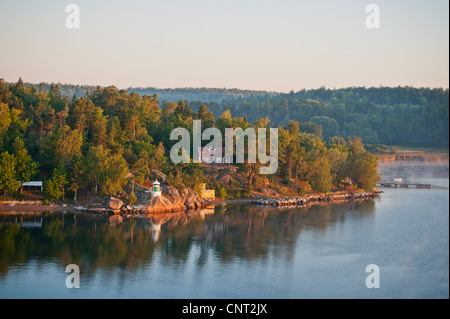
(32, 183)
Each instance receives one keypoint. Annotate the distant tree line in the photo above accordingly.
(217, 95)
(391, 116)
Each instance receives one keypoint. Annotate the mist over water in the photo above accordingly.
(434, 173)
(240, 251)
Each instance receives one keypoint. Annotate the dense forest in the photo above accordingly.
(392, 116)
(218, 95)
(388, 116)
(97, 141)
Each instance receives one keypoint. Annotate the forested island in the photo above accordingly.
(100, 140)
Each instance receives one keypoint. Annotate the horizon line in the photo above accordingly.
(232, 88)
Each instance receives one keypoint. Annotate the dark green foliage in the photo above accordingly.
(96, 136)
(391, 116)
(54, 187)
(8, 178)
(132, 199)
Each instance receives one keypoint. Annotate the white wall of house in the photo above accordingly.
(209, 156)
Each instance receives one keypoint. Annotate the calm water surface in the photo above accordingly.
(240, 251)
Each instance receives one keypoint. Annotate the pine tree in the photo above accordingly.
(55, 186)
(8, 181)
(25, 167)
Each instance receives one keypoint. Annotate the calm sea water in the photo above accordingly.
(240, 251)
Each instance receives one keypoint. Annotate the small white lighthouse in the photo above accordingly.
(156, 188)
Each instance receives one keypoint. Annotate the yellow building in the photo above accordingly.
(207, 193)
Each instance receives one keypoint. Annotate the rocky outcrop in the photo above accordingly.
(170, 201)
(189, 198)
(193, 200)
(162, 204)
(173, 195)
(114, 203)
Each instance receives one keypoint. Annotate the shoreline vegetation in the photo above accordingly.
(104, 207)
(102, 150)
(15, 207)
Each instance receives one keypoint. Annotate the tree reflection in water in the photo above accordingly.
(101, 242)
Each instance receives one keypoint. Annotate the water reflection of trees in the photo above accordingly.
(101, 242)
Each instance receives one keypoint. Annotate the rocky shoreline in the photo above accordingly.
(307, 200)
(174, 201)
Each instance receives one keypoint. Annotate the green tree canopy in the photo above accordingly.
(8, 178)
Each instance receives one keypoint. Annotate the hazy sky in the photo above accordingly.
(268, 45)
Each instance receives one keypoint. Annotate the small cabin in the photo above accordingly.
(32, 186)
